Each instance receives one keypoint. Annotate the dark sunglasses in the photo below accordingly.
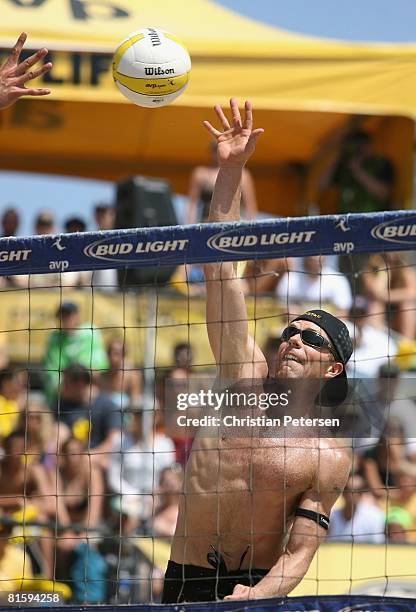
(309, 337)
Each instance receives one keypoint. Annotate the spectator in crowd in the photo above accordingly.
(9, 407)
(137, 460)
(398, 525)
(75, 224)
(25, 487)
(373, 346)
(395, 395)
(80, 494)
(72, 342)
(80, 278)
(95, 420)
(182, 359)
(390, 285)
(405, 499)
(166, 514)
(363, 179)
(105, 216)
(42, 442)
(80, 486)
(178, 381)
(382, 463)
(121, 381)
(318, 284)
(358, 520)
(105, 280)
(45, 223)
(201, 187)
(10, 222)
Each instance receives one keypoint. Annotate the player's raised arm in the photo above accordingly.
(14, 75)
(234, 349)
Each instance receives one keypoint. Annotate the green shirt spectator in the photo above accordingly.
(72, 343)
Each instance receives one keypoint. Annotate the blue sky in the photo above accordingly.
(354, 20)
(358, 20)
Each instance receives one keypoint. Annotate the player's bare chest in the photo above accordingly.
(253, 464)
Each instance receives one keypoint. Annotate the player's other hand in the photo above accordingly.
(15, 75)
(237, 141)
(241, 592)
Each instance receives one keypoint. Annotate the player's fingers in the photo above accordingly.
(235, 112)
(30, 61)
(15, 52)
(36, 91)
(33, 74)
(248, 116)
(221, 116)
(213, 131)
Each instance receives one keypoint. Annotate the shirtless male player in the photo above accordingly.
(255, 510)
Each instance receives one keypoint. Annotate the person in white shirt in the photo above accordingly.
(373, 347)
(358, 520)
(105, 280)
(134, 471)
(317, 284)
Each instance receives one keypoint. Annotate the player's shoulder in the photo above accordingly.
(334, 460)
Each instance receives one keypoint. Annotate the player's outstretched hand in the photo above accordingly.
(14, 76)
(237, 141)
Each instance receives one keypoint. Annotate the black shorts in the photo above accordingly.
(192, 583)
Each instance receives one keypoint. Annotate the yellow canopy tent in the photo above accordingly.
(302, 88)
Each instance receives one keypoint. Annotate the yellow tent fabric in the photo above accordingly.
(301, 88)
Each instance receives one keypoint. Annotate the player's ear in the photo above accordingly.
(334, 369)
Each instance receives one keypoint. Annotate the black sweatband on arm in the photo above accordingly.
(320, 519)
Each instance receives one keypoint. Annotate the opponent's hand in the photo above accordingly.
(14, 76)
(238, 141)
(241, 592)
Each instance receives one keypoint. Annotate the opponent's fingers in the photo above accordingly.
(30, 61)
(33, 74)
(213, 131)
(36, 91)
(15, 52)
(235, 112)
(248, 116)
(221, 116)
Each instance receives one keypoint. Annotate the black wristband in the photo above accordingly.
(320, 519)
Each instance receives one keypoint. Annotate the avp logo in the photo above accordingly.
(61, 265)
(400, 231)
(344, 247)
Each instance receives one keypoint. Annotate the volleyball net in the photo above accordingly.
(95, 444)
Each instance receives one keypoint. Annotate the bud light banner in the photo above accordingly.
(211, 242)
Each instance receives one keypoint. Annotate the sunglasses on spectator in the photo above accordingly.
(308, 337)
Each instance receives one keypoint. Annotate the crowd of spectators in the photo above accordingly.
(81, 472)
